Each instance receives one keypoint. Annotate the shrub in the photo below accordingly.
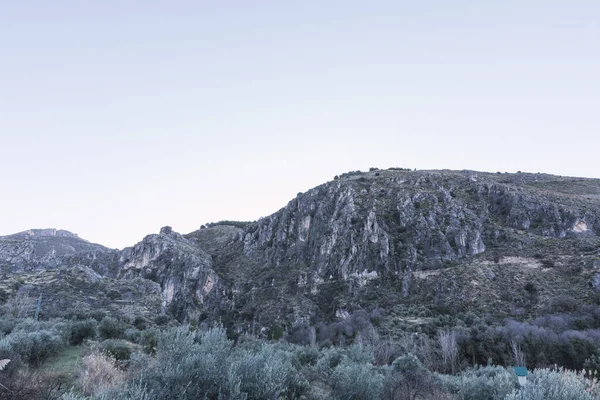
(133, 335)
(140, 323)
(329, 360)
(352, 381)
(20, 305)
(114, 294)
(118, 349)
(98, 315)
(197, 365)
(545, 384)
(32, 347)
(7, 325)
(111, 328)
(30, 384)
(130, 391)
(185, 368)
(564, 303)
(267, 373)
(149, 341)
(307, 355)
(409, 378)
(481, 383)
(98, 374)
(161, 319)
(83, 330)
(3, 296)
(530, 287)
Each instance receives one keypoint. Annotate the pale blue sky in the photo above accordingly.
(119, 117)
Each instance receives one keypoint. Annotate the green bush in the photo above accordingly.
(7, 325)
(32, 347)
(161, 319)
(119, 349)
(329, 360)
(149, 340)
(111, 328)
(545, 384)
(481, 383)
(408, 376)
(351, 381)
(307, 355)
(140, 323)
(33, 341)
(197, 365)
(57, 326)
(114, 294)
(133, 335)
(83, 330)
(267, 373)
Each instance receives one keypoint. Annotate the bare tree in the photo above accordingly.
(449, 350)
(20, 305)
(421, 346)
(312, 338)
(517, 353)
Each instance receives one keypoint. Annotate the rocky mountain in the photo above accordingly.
(183, 270)
(41, 248)
(410, 244)
(445, 240)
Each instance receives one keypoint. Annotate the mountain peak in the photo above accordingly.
(48, 232)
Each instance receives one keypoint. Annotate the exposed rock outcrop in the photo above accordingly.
(394, 223)
(183, 270)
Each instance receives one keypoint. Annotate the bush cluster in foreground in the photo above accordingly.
(121, 362)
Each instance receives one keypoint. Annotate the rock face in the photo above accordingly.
(406, 231)
(414, 234)
(183, 271)
(42, 248)
(388, 223)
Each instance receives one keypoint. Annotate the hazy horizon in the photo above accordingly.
(119, 118)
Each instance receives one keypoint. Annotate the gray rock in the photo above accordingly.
(596, 282)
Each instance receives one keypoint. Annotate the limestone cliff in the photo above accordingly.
(183, 270)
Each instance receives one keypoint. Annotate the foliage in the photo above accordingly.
(20, 305)
(33, 342)
(186, 363)
(83, 330)
(561, 384)
(190, 365)
(480, 383)
(356, 381)
(118, 349)
(111, 328)
(408, 378)
(99, 373)
(237, 224)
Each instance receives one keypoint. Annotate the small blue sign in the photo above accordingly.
(520, 371)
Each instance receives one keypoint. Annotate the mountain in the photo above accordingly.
(410, 246)
(445, 241)
(42, 248)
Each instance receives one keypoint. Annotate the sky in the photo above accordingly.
(120, 117)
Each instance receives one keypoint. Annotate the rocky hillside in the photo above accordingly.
(438, 239)
(411, 244)
(41, 248)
